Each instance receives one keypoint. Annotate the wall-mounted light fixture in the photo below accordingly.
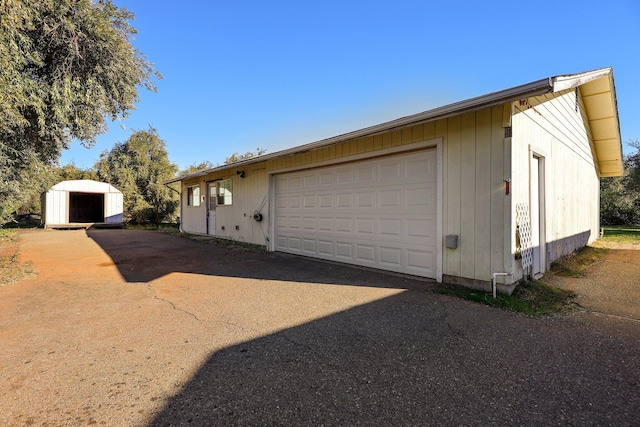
(240, 174)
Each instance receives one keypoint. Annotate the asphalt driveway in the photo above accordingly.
(125, 327)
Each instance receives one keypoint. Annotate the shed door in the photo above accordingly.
(377, 213)
(86, 207)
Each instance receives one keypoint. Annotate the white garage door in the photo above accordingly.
(378, 213)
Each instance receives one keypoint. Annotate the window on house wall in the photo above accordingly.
(225, 192)
(193, 195)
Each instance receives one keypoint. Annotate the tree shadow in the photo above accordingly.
(416, 359)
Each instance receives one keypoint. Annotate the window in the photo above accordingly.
(225, 192)
(193, 195)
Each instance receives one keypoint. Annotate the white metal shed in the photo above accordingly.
(81, 203)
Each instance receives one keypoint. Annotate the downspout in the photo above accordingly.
(493, 281)
(179, 198)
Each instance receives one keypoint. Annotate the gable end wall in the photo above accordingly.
(555, 127)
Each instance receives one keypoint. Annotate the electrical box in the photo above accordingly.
(451, 241)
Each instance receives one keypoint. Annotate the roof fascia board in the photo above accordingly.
(571, 81)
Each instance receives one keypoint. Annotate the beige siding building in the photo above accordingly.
(496, 186)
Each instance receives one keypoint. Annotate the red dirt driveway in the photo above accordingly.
(131, 328)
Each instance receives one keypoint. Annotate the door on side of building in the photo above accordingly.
(211, 207)
(538, 242)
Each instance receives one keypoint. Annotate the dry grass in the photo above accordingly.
(577, 263)
(533, 298)
(11, 270)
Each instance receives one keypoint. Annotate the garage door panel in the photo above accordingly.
(344, 250)
(344, 176)
(344, 225)
(390, 257)
(309, 223)
(379, 213)
(366, 199)
(366, 253)
(281, 202)
(344, 200)
(390, 171)
(309, 246)
(421, 228)
(295, 223)
(293, 202)
(390, 199)
(326, 178)
(365, 226)
(325, 201)
(325, 225)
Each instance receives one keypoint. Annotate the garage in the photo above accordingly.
(378, 213)
(81, 204)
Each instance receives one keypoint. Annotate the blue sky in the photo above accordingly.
(276, 74)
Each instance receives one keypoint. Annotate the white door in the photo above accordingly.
(536, 241)
(211, 208)
(379, 213)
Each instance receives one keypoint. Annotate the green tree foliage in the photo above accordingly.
(196, 167)
(620, 196)
(65, 66)
(235, 157)
(71, 172)
(137, 167)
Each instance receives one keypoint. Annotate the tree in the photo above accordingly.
(620, 196)
(137, 167)
(196, 167)
(65, 66)
(70, 172)
(235, 157)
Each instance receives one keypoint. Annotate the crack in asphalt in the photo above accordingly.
(601, 313)
(176, 308)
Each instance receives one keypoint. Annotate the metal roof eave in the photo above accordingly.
(538, 87)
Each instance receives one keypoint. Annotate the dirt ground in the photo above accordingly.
(116, 323)
(126, 327)
(611, 286)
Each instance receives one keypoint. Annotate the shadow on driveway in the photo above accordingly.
(414, 359)
(143, 256)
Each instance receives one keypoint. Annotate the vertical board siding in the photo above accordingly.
(482, 187)
(453, 191)
(468, 196)
(497, 191)
(474, 199)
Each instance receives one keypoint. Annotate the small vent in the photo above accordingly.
(507, 132)
(576, 100)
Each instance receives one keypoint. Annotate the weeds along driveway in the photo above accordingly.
(125, 327)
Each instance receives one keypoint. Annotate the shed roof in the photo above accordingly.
(597, 88)
(85, 186)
